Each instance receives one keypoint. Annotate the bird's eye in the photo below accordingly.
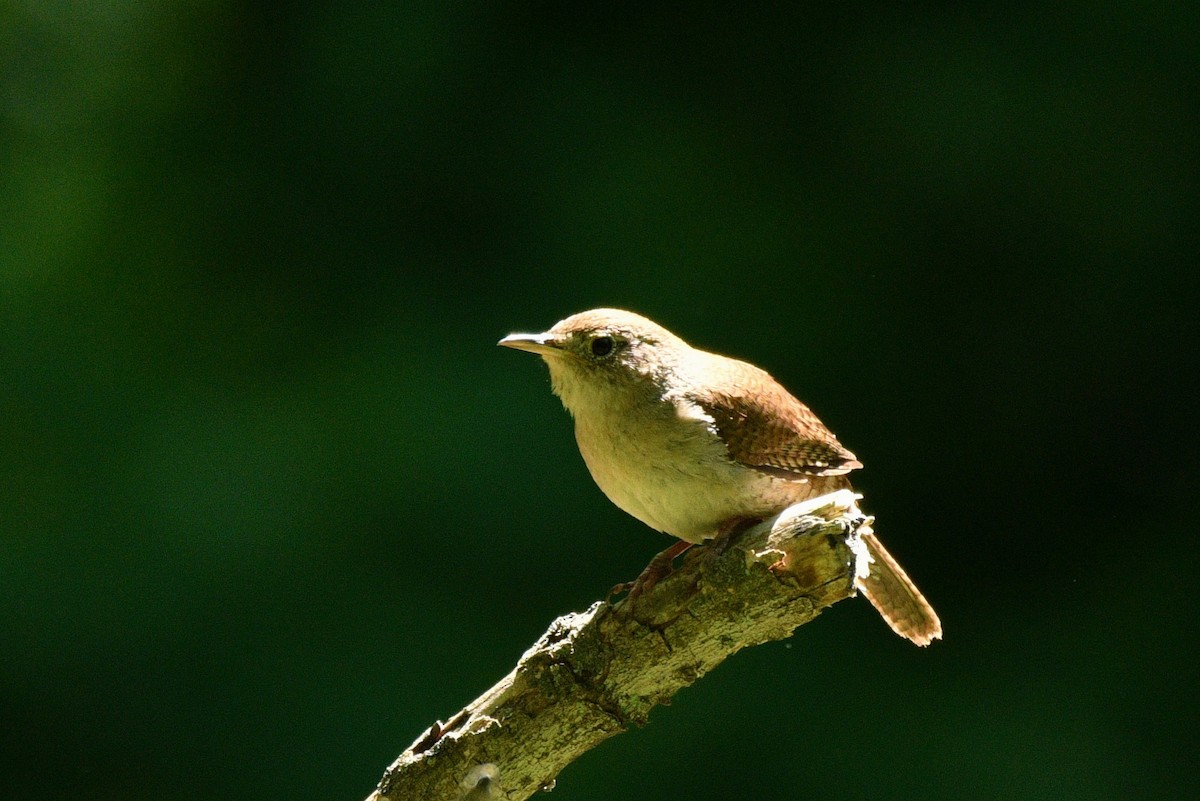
(602, 346)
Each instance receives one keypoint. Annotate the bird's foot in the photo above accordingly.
(659, 568)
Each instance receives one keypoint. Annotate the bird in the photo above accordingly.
(698, 445)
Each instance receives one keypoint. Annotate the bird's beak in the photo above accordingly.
(541, 344)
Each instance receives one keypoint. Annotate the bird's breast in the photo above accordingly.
(672, 471)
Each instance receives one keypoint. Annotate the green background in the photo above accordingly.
(271, 501)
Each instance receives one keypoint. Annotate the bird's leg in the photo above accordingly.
(659, 568)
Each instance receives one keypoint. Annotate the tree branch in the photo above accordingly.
(594, 673)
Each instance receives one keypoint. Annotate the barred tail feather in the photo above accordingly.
(896, 598)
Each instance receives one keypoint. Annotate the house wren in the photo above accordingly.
(695, 444)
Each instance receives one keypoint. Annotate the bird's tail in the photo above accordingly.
(896, 598)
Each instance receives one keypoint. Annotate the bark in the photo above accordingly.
(594, 673)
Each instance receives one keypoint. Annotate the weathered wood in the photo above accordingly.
(594, 673)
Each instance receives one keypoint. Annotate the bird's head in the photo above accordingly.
(605, 357)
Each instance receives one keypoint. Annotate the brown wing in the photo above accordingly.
(766, 428)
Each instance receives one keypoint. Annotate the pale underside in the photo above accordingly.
(680, 479)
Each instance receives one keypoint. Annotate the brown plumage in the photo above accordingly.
(766, 428)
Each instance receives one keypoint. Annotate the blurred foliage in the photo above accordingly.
(272, 502)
